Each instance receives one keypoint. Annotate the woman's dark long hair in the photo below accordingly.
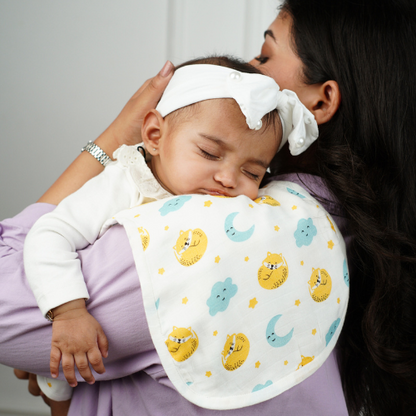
(367, 156)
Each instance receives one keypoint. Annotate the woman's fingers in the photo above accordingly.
(33, 386)
(20, 374)
(154, 89)
(126, 128)
(158, 83)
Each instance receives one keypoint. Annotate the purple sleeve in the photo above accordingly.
(137, 382)
(116, 302)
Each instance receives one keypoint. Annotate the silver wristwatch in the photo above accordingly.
(97, 152)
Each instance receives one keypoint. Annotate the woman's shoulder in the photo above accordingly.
(316, 187)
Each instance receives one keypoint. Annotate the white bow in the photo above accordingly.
(256, 95)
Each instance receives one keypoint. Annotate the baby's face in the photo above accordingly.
(214, 152)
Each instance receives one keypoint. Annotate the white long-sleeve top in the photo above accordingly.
(50, 251)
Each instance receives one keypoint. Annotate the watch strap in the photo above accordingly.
(97, 152)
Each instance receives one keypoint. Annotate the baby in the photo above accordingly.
(215, 131)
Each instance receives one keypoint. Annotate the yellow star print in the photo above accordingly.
(251, 206)
(301, 263)
(253, 303)
(185, 300)
(257, 365)
(314, 331)
(294, 207)
(207, 204)
(217, 259)
(297, 302)
(276, 228)
(167, 228)
(161, 271)
(286, 362)
(339, 300)
(215, 333)
(246, 259)
(208, 374)
(330, 244)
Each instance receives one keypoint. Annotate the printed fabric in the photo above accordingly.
(242, 308)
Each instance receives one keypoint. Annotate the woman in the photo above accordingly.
(351, 63)
(365, 154)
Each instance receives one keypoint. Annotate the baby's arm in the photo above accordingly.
(54, 271)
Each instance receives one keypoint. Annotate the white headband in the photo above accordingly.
(256, 95)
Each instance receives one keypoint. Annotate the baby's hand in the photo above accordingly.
(77, 338)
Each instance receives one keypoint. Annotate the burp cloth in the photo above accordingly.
(244, 299)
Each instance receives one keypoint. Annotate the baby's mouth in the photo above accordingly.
(215, 192)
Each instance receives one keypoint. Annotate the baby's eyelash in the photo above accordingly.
(207, 155)
(262, 59)
(252, 175)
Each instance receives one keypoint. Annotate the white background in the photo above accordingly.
(68, 67)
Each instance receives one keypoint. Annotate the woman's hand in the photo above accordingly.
(33, 385)
(77, 339)
(126, 128)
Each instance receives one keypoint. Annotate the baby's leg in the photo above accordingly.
(59, 394)
(59, 408)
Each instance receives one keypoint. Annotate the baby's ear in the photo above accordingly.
(152, 131)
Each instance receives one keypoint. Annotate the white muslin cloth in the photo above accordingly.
(243, 303)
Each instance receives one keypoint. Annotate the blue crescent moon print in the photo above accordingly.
(274, 340)
(232, 233)
(331, 331)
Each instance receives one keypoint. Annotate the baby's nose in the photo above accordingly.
(227, 177)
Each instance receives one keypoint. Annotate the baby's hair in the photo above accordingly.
(269, 120)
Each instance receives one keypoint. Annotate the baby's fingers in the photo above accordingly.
(82, 364)
(102, 344)
(96, 361)
(55, 359)
(68, 369)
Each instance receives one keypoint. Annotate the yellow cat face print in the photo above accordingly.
(182, 343)
(305, 360)
(145, 237)
(273, 272)
(190, 246)
(235, 351)
(320, 285)
(268, 200)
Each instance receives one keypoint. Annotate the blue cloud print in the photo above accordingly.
(221, 293)
(293, 192)
(174, 204)
(262, 386)
(305, 232)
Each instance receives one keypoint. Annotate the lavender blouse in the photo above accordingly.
(134, 382)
